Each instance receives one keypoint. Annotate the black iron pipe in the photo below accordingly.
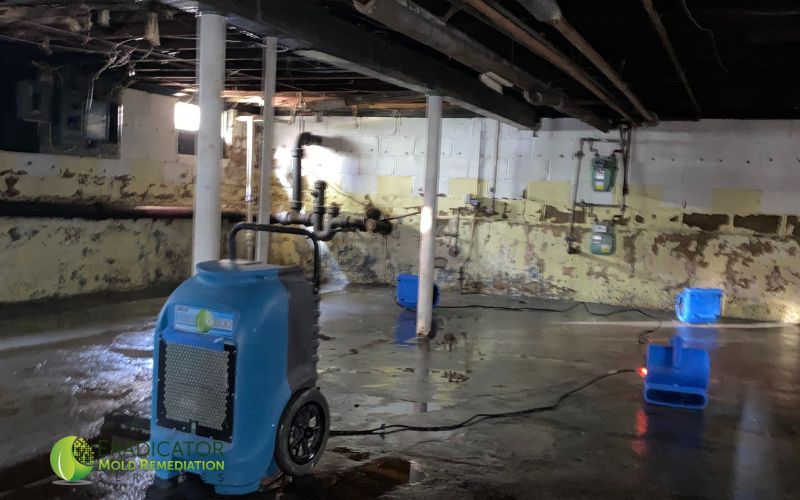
(304, 139)
(413, 21)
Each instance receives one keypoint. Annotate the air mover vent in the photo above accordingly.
(196, 388)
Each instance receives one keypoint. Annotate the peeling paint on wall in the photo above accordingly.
(664, 245)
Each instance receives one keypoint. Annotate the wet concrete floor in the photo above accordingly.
(88, 372)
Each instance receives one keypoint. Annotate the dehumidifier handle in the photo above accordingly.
(249, 226)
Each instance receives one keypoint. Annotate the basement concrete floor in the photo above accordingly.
(87, 371)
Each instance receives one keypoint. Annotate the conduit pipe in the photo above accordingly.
(207, 228)
(427, 221)
(549, 12)
(415, 22)
(545, 51)
(655, 18)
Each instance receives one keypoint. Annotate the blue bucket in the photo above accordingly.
(699, 305)
(677, 376)
(407, 288)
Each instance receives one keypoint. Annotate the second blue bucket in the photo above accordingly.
(407, 288)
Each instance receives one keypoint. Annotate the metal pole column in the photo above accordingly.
(427, 223)
(268, 114)
(211, 78)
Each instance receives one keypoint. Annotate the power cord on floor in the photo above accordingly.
(550, 309)
(643, 337)
(479, 417)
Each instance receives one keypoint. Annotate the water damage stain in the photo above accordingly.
(705, 222)
(765, 224)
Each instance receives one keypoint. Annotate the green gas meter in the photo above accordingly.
(604, 172)
(603, 241)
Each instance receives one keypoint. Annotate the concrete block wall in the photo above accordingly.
(43, 258)
(703, 165)
(710, 204)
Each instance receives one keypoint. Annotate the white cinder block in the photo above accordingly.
(362, 184)
(353, 144)
(527, 170)
(397, 145)
(444, 186)
(445, 146)
(163, 146)
(507, 188)
(409, 165)
(486, 167)
(454, 168)
(781, 201)
(563, 169)
(412, 126)
(515, 148)
(417, 186)
(509, 132)
(385, 165)
(378, 126)
(464, 147)
(368, 165)
(458, 127)
(343, 164)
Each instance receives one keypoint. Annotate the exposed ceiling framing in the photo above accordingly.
(608, 63)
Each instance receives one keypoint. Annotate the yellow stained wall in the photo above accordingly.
(521, 249)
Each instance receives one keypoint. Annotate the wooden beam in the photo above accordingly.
(323, 37)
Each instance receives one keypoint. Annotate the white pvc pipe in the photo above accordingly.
(248, 188)
(427, 222)
(268, 114)
(211, 79)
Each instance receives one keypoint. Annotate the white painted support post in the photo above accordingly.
(268, 114)
(248, 188)
(427, 222)
(211, 79)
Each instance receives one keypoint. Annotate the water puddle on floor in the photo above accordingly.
(368, 480)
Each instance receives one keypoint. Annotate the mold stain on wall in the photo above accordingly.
(508, 245)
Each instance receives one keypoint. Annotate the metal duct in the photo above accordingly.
(415, 22)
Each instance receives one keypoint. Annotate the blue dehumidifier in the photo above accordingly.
(235, 372)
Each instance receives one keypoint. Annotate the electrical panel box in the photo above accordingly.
(604, 173)
(603, 241)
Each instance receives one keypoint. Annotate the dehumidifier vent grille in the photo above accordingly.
(196, 389)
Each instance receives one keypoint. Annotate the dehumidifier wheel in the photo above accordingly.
(302, 432)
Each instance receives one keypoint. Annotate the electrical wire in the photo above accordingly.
(479, 417)
(714, 44)
(552, 309)
(403, 216)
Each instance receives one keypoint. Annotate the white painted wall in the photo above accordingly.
(688, 159)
